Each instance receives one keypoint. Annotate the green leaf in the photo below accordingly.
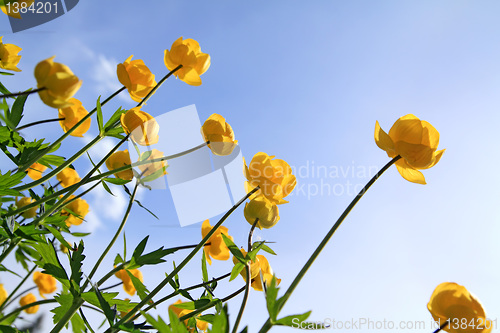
(50, 262)
(52, 160)
(80, 234)
(220, 322)
(104, 305)
(66, 301)
(58, 236)
(293, 320)
(121, 305)
(8, 180)
(159, 324)
(77, 258)
(16, 113)
(77, 324)
(150, 212)
(234, 249)
(193, 305)
(271, 295)
(142, 291)
(236, 270)
(8, 329)
(253, 254)
(115, 133)
(4, 90)
(176, 325)
(6, 73)
(116, 181)
(99, 115)
(155, 175)
(106, 187)
(268, 249)
(114, 120)
(204, 267)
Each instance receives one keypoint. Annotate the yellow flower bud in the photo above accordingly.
(187, 53)
(274, 177)
(136, 77)
(63, 248)
(79, 207)
(8, 56)
(28, 299)
(46, 283)
(3, 294)
(217, 248)
(142, 127)
(117, 160)
(35, 171)
(68, 177)
(220, 135)
(24, 202)
(150, 168)
(262, 209)
(416, 141)
(72, 114)
(179, 312)
(58, 81)
(128, 286)
(451, 301)
(14, 9)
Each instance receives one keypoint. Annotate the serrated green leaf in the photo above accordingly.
(66, 301)
(76, 261)
(50, 262)
(77, 324)
(104, 305)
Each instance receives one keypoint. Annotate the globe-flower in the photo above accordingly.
(72, 114)
(136, 77)
(120, 159)
(3, 294)
(14, 10)
(128, 286)
(58, 82)
(260, 270)
(80, 207)
(273, 176)
(46, 283)
(9, 57)
(187, 52)
(148, 169)
(220, 135)
(179, 312)
(217, 248)
(28, 299)
(451, 301)
(142, 127)
(416, 141)
(29, 213)
(263, 209)
(68, 177)
(35, 170)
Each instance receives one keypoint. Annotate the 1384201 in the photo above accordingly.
(36, 8)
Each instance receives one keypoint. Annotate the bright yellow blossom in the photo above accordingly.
(28, 299)
(187, 53)
(29, 213)
(72, 114)
(200, 324)
(217, 248)
(451, 301)
(35, 170)
(80, 207)
(46, 283)
(58, 82)
(68, 177)
(9, 57)
(264, 210)
(117, 160)
(3, 294)
(136, 77)
(150, 168)
(416, 141)
(142, 127)
(220, 135)
(128, 286)
(259, 269)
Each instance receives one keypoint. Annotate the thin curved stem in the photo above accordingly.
(19, 309)
(38, 123)
(267, 325)
(21, 93)
(6, 302)
(145, 99)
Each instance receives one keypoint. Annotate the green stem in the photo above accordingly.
(6, 302)
(267, 325)
(101, 176)
(65, 135)
(115, 237)
(43, 301)
(38, 123)
(144, 100)
(12, 245)
(182, 264)
(248, 280)
(21, 93)
(77, 303)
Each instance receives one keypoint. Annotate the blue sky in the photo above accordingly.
(306, 81)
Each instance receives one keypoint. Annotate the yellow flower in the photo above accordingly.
(24, 202)
(217, 248)
(259, 269)
(35, 171)
(187, 53)
(28, 299)
(68, 177)
(72, 114)
(150, 168)
(200, 324)
(274, 177)
(58, 81)
(262, 209)
(416, 141)
(453, 302)
(8, 56)
(80, 207)
(136, 77)
(15, 6)
(220, 134)
(128, 286)
(46, 283)
(117, 160)
(3, 294)
(141, 125)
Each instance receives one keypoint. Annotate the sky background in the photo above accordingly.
(306, 81)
